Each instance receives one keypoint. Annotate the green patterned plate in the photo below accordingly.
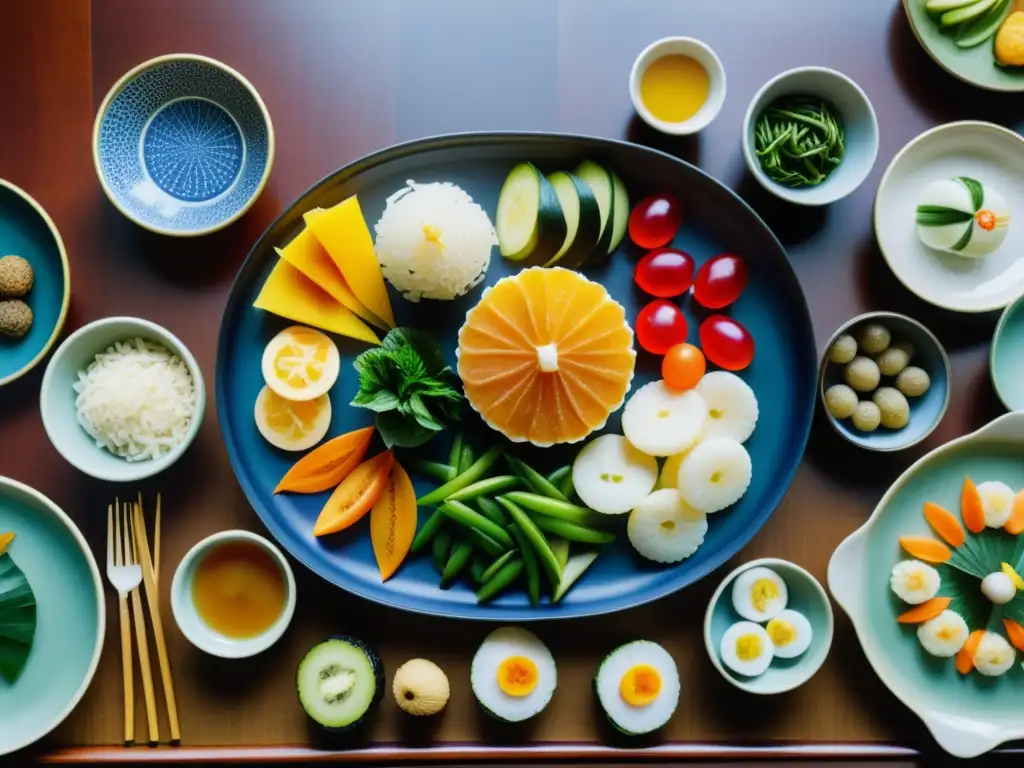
(967, 715)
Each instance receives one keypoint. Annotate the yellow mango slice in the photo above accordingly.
(290, 294)
(309, 257)
(1009, 42)
(342, 231)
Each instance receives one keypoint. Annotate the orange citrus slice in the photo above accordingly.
(289, 425)
(301, 363)
(546, 356)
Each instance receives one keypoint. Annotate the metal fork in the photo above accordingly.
(125, 576)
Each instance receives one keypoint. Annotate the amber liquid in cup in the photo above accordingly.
(239, 590)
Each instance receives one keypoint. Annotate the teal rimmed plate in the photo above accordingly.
(26, 230)
(1006, 357)
(967, 715)
(71, 618)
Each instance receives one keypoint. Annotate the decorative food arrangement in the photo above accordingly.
(962, 216)
(16, 280)
(974, 22)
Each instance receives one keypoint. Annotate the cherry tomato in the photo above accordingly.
(683, 366)
(660, 326)
(720, 281)
(655, 221)
(665, 272)
(726, 343)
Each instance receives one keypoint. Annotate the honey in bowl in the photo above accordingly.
(239, 590)
(674, 87)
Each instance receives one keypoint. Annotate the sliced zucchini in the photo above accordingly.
(620, 212)
(966, 13)
(582, 220)
(340, 682)
(600, 182)
(529, 221)
(941, 6)
(983, 27)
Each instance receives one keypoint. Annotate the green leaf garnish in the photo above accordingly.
(984, 553)
(17, 619)
(976, 190)
(941, 216)
(965, 238)
(964, 589)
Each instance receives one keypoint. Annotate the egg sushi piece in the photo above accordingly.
(962, 216)
(914, 582)
(790, 633)
(513, 674)
(747, 649)
(759, 594)
(996, 503)
(666, 529)
(994, 655)
(944, 635)
(637, 685)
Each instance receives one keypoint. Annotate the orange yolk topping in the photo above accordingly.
(517, 676)
(986, 219)
(640, 685)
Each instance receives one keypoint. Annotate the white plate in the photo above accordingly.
(987, 152)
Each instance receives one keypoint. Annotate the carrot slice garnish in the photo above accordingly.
(944, 523)
(923, 548)
(1015, 524)
(970, 507)
(929, 609)
(965, 656)
(1015, 632)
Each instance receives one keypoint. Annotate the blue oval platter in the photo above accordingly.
(783, 374)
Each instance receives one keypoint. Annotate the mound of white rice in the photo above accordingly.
(433, 241)
(137, 399)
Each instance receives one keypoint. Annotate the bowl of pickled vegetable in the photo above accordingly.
(884, 381)
(810, 136)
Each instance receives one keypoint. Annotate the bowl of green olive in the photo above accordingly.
(884, 381)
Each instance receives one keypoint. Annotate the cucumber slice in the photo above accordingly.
(941, 6)
(529, 221)
(582, 220)
(576, 567)
(984, 26)
(620, 212)
(340, 681)
(966, 13)
(600, 182)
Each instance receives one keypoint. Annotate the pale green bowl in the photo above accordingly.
(1006, 358)
(806, 595)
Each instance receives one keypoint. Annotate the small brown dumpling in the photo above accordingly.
(1009, 42)
(15, 318)
(16, 277)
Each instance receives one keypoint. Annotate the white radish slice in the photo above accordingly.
(669, 476)
(611, 476)
(666, 529)
(732, 406)
(715, 474)
(661, 421)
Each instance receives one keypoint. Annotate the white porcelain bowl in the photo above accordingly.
(201, 635)
(702, 53)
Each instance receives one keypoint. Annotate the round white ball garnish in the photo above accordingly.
(994, 655)
(962, 216)
(420, 687)
(996, 502)
(944, 635)
(998, 587)
(914, 582)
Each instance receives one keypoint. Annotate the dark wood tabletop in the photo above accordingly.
(342, 78)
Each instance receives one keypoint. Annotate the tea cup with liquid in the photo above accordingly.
(677, 85)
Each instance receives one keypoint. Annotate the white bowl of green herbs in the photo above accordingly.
(810, 136)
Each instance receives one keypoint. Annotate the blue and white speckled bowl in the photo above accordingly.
(183, 145)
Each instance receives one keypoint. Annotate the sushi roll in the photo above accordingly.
(340, 683)
(513, 674)
(637, 686)
(944, 635)
(994, 655)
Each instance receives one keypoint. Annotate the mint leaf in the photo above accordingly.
(423, 414)
(398, 432)
(379, 401)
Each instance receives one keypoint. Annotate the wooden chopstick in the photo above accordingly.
(156, 537)
(143, 644)
(153, 600)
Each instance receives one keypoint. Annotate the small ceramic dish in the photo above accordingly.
(197, 631)
(1006, 357)
(183, 145)
(27, 231)
(57, 399)
(989, 153)
(926, 411)
(70, 617)
(683, 46)
(806, 596)
(966, 714)
(860, 128)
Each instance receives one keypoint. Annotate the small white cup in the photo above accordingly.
(197, 631)
(686, 46)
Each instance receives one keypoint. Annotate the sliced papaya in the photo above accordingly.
(944, 523)
(355, 496)
(970, 507)
(328, 465)
(5, 541)
(393, 522)
(1015, 632)
(1015, 524)
(923, 548)
(965, 656)
(926, 611)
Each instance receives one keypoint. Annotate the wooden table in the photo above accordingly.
(343, 78)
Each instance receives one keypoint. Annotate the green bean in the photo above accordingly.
(435, 470)
(467, 458)
(476, 472)
(530, 564)
(470, 518)
(497, 565)
(462, 551)
(563, 510)
(493, 511)
(455, 454)
(566, 487)
(486, 487)
(799, 141)
(561, 549)
(428, 530)
(556, 477)
(476, 570)
(442, 545)
(572, 531)
(540, 544)
(534, 479)
(485, 542)
(500, 581)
